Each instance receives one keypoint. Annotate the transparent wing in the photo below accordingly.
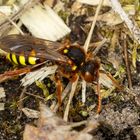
(31, 46)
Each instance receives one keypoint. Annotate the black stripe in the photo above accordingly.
(17, 56)
(10, 55)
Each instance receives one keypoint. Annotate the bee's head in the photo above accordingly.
(90, 70)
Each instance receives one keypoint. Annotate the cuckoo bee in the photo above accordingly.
(72, 60)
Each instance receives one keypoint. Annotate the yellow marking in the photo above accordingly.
(14, 59)
(65, 51)
(74, 68)
(32, 60)
(22, 60)
(8, 57)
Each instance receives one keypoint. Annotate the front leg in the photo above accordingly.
(58, 80)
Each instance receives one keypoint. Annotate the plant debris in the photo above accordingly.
(108, 108)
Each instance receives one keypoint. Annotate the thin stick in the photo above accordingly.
(5, 24)
(66, 113)
(86, 45)
(83, 91)
(127, 64)
(99, 47)
(99, 97)
(12, 22)
(36, 96)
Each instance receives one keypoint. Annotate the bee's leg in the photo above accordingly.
(99, 94)
(114, 81)
(59, 88)
(17, 72)
(99, 98)
(74, 77)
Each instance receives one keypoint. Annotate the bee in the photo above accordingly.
(72, 60)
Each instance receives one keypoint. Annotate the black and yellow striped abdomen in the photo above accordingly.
(22, 60)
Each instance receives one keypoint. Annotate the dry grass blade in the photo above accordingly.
(30, 113)
(132, 25)
(1, 106)
(5, 25)
(13, 23)
(127, 63)
(86, 45)
(2, 92)
(66, 113)
(38, 75)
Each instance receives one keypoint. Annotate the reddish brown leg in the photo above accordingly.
(17, 72)
(114, 81)
(58, 87)
(99, 95)
(99, 98)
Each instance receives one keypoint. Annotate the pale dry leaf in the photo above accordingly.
(30, 113)
(2, 92)
(40, 74)
(1, 106)
(105, 80)
(52, 127)
(7, 10)
(44, 23)
(110, 18)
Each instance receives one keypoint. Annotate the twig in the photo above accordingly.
(66, 113)
(86, 45)
(83, 91)
(12, 22)
(4, 25)
(21, 98)
(99, 46)
(36, 96)
(127, 63)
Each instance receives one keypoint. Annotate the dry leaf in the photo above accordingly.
(2, 92)
(1, 106)
(30, 113)
(50, 127)
(44, 23)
